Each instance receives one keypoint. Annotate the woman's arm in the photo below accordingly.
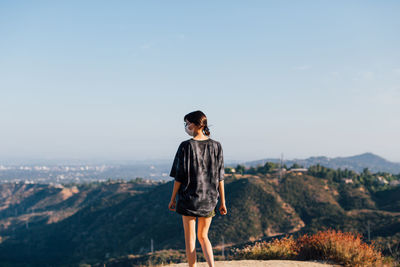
(222, 207)
(172, 203)
(221, 192)
(175, 190)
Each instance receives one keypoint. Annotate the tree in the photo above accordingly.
(269, 166)
(240, 169)
(252, 170)
(366, 172)
(295, 166)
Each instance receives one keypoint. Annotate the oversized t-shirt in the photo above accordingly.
(199, 166)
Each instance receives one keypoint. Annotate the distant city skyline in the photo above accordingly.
(113, 161)
(97, 79)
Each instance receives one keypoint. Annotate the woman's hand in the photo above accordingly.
(222, 209)
(172, 205)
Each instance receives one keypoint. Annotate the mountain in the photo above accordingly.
(356, 163)
(91, 223)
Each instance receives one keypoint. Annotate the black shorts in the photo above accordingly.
(211, 214)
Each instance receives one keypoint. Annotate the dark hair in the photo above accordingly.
(199, 118)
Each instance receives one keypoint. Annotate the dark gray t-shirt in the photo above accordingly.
(199, 166)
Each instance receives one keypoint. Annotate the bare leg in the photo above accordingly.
(202, 235)
(189, 225)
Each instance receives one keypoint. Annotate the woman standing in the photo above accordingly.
(198, 169)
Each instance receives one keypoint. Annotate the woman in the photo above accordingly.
(198, 169)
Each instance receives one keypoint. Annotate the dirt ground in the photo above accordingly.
(259, 263)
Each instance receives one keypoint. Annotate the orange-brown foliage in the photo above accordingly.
(340, 247)
(343, 248)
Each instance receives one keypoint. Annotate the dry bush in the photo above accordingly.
(340, 247)
(335, 246)
(283, 248)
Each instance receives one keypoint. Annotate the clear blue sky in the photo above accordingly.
(113, 79)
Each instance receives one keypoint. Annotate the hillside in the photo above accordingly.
(93, 223)
(356, 163)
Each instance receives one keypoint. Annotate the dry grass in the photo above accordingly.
(284, 249)
(338, 247)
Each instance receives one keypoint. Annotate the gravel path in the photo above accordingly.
(259, 263)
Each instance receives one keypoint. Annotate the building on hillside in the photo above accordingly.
(298, 171)
(382, 180)
(231, 170)
(347, 180)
